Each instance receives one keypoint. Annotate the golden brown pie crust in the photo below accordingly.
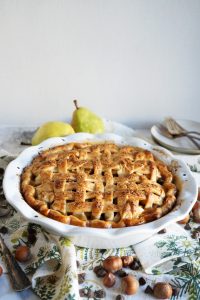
(99, 185)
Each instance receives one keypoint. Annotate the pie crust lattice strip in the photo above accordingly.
(99, 185)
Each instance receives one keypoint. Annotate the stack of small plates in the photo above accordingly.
(179, 144)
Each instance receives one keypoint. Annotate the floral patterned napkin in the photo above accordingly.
(165, 247)
(59, 270)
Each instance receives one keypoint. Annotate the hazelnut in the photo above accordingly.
(196, 212)
(162, 290)
(23, 254)
(109, 280)
(127, 260)
(130, 285)
(185, 220)
(1, 270)
(112, 264)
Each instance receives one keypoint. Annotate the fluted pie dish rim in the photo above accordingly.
(100, 237)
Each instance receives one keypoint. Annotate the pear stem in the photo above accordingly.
(76, 104)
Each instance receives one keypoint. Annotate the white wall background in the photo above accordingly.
(133, 61)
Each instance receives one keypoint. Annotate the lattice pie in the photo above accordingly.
(99, 185)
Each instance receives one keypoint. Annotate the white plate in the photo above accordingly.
(180, 144)
(95, 237)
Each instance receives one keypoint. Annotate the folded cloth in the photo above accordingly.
(160, 252)
(52, 267)
(59, 270)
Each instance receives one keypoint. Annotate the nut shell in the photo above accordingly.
(112, 264)
(162, 290)
(130, 285)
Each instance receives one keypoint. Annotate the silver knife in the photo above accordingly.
(18, 278)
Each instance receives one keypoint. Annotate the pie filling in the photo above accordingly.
(99, 185)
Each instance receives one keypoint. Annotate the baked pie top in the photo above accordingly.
(99, 185)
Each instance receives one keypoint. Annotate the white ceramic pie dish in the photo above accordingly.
(99, 237)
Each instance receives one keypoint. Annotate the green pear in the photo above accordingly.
(83, 120)
(51, 129)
